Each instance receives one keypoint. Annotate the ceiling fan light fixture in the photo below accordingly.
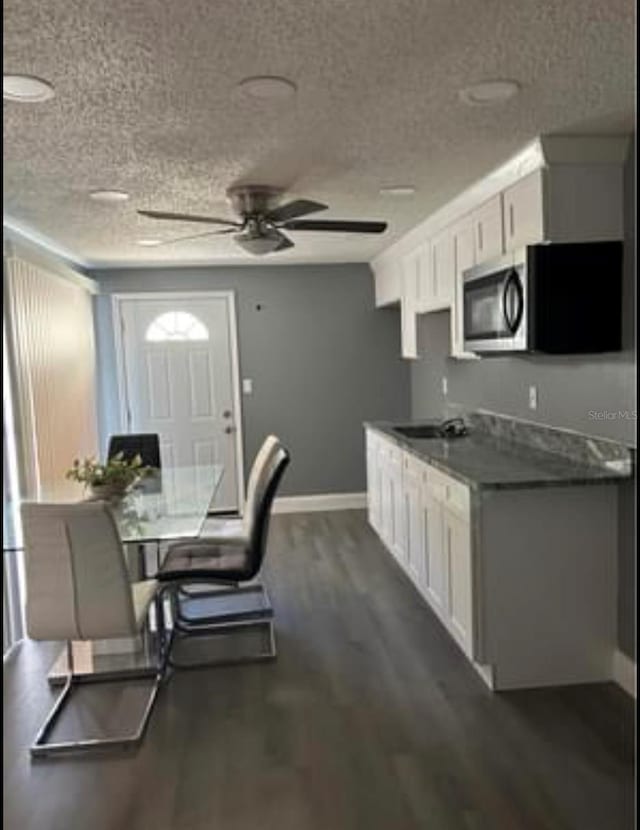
(268, 87)
(259, 238)
(26, 89)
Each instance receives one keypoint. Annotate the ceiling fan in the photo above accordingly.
(262, 221)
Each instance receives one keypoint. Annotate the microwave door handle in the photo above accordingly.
(512, 289)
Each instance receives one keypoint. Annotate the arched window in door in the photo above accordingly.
(176, 326)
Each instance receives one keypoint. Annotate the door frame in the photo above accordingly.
(118, 329)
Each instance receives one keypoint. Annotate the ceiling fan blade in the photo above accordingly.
(285, 244)
(194, 236)
(300, 207)
(335, 225)
(186, 217)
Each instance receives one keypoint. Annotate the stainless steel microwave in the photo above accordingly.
(553, 299)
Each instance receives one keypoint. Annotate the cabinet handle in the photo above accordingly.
(480, 236)
(512, 221)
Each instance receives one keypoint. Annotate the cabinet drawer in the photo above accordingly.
(414, 466)
(450, 492)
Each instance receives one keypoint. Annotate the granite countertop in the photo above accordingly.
(487, 461)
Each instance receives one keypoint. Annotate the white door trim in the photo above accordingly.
(230, 298)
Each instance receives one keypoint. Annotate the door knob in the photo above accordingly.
(229, 430)
(227, 413)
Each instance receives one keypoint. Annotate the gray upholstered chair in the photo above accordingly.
(78, 588)
(232, 567)
(237, 530)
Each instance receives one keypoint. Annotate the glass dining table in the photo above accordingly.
(170, 504)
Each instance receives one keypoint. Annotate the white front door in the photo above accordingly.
(180, 381)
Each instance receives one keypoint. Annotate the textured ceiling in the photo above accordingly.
(147, 102)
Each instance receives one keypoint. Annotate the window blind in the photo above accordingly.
(50, 324)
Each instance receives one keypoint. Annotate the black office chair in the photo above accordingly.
(146, 445)
(231, 567)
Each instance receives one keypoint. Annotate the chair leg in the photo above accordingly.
(269, 653)
(42, 748)
(219, 617)
(212, 626)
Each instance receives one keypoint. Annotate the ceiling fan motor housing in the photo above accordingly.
(253, 200)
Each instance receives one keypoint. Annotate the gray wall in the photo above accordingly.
(321, 358)
(569, 390)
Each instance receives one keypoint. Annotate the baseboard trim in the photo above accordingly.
(624, 672)
(320, 502)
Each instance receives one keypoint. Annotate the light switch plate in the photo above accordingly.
(533, 397)
(247, 386)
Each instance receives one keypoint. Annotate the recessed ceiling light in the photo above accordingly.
(26, 89)
(148, 243)
(110, 196)
(489, 92)
(268, 87)
(398, 190)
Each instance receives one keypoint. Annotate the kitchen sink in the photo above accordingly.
(420, 431)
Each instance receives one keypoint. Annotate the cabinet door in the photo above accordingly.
(408, 327)
(524, 212)
(413, 507)
(374, 492)
(411, 268)
(463, 252)
(457, 544)
(398, 508)
(424, 277)
(387, 283)
(435, 565)
(442, 271)
(488, 230)
(386, 499)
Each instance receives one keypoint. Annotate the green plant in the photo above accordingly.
(116, 474)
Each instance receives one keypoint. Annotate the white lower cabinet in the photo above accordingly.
(374, 490)
(412, 488)
(423, 518)
(457, 555)
(530, 595)
(435, 566)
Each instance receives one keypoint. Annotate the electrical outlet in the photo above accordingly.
(533, 397)
(445, 387)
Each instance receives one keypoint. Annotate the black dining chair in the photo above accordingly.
(146, 445)
(232, 567)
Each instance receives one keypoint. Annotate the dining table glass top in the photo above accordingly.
(171, 503)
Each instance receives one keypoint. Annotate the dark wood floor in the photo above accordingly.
(370, 719)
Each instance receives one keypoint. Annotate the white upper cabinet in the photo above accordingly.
(409, 326)
(441, 277)
(388, 282)
(464, 258)
(524, 212)
(488, 236)
(559, 189)
(409, 303)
